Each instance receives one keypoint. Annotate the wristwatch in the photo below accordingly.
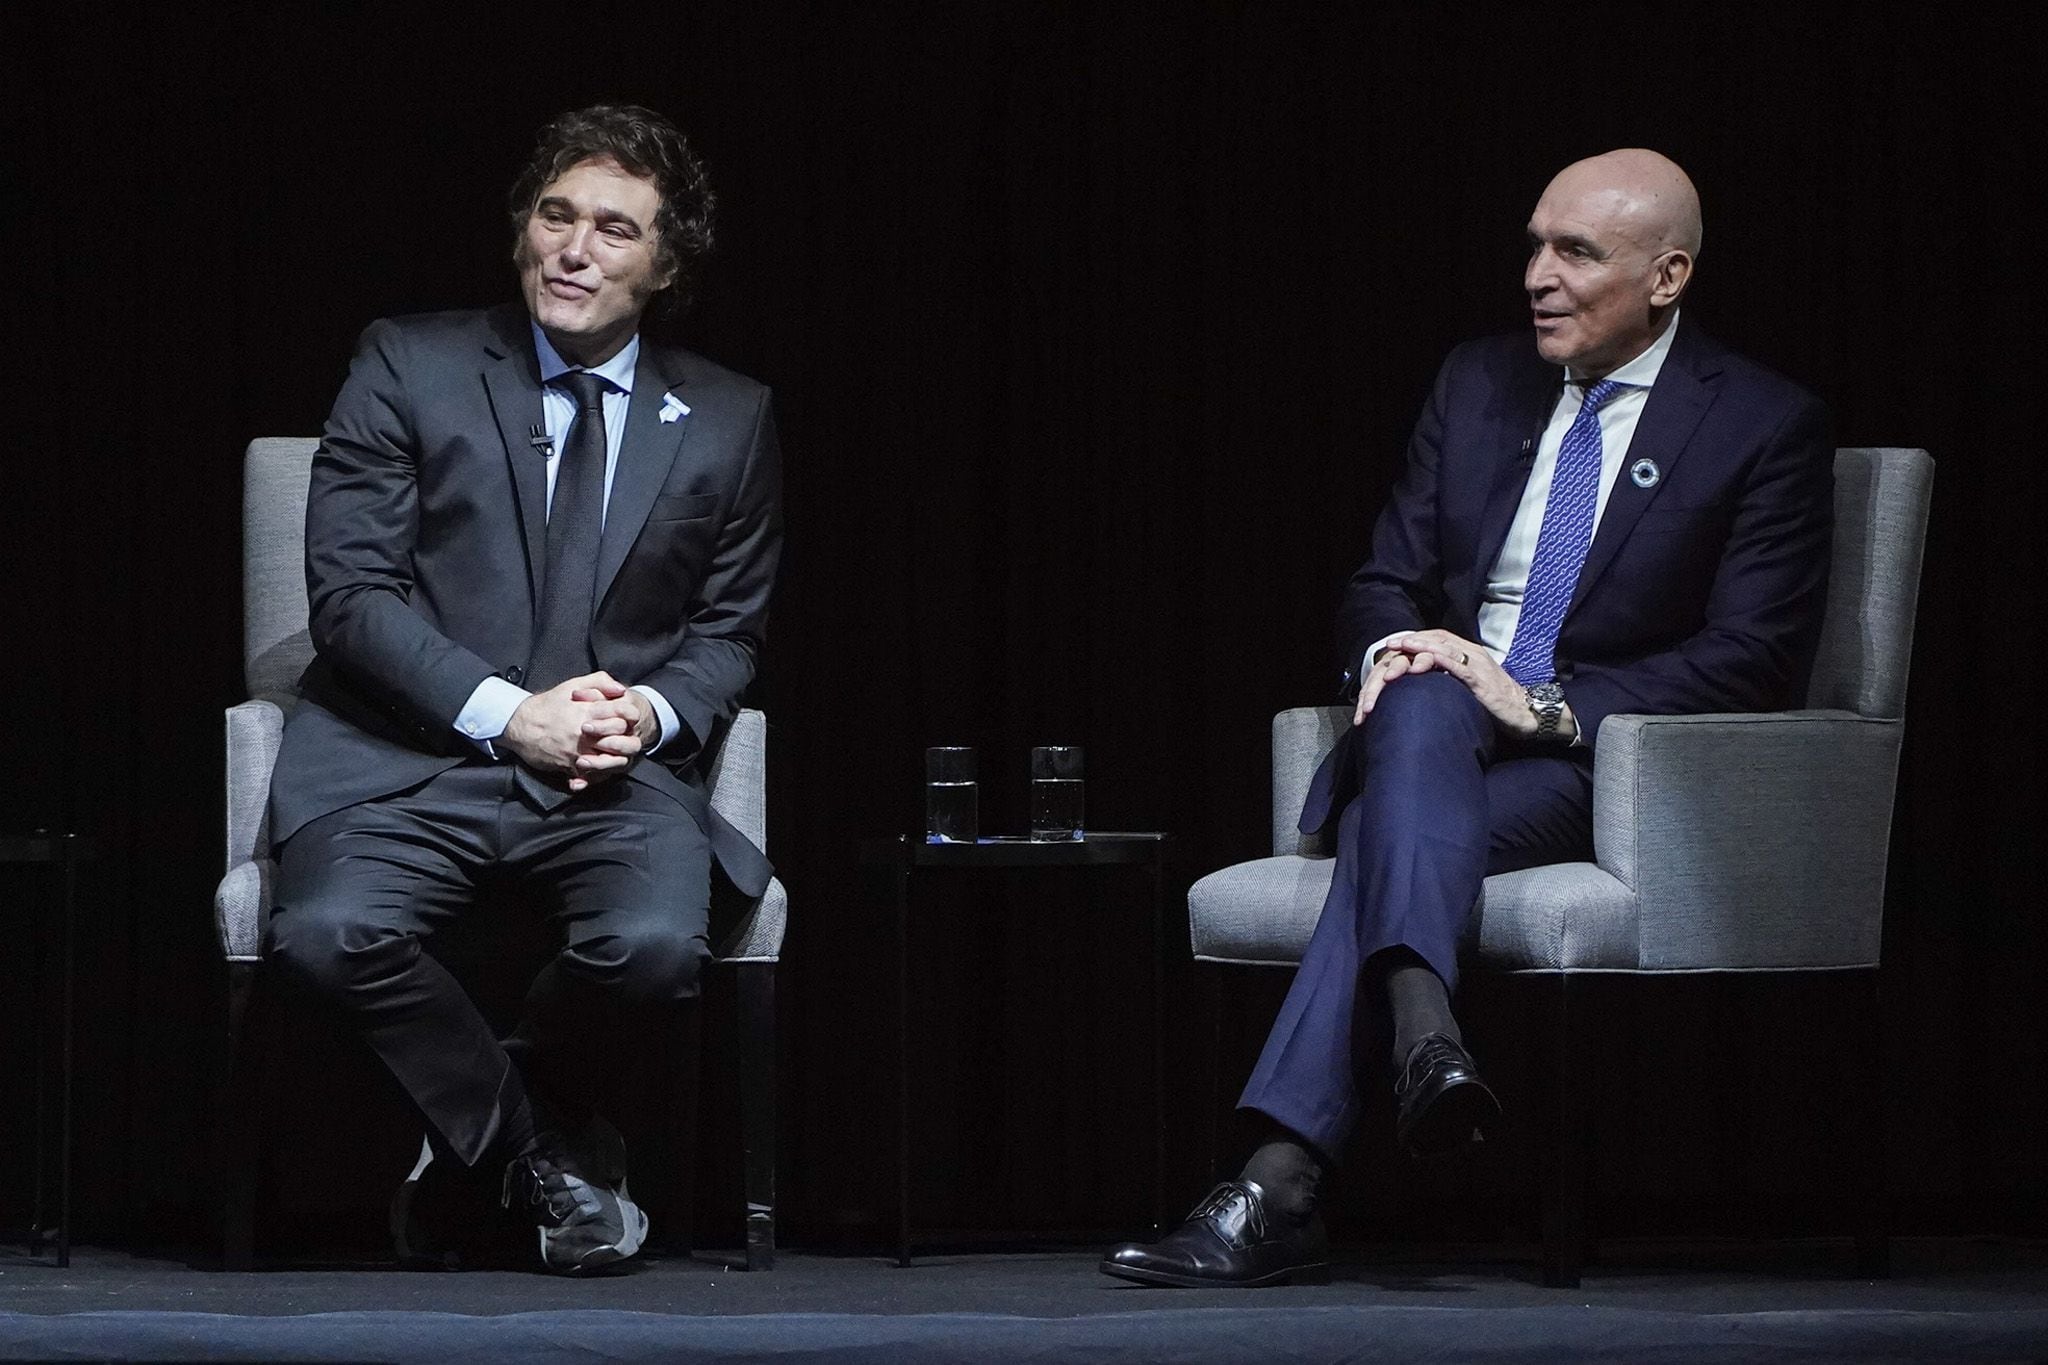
(1547, 701)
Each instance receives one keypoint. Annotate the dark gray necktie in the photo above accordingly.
(561, 636)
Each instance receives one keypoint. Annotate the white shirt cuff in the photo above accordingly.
(488, 711)
(667, 714)
(1365, 664)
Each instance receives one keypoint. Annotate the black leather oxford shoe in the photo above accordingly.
(1231, 1240)
(1443, 1102)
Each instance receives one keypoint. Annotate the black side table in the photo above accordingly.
(63, 852)
(902, 856)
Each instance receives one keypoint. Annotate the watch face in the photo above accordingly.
(1547, 694)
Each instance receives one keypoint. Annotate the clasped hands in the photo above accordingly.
(1422, 650)
(586, 729)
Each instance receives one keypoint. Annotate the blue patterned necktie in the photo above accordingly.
(1561, 544)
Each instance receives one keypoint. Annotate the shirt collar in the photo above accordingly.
(1639, 373)
(618, 370)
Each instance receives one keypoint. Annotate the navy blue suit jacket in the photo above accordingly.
(1700, 593)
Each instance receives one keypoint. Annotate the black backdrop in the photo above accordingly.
(1096, 333)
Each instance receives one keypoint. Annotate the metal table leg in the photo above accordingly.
(902, 871)
(64, 1125)
(1158, 1040)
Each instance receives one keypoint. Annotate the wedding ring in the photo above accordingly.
(1463, 658)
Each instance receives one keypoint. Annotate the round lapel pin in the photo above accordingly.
(1645, 473)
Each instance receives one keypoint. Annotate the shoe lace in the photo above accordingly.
(543, 1187)
(1239, 1217)
(1432, 1048)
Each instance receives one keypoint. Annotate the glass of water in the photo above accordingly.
(1055, 792)
(951, 798)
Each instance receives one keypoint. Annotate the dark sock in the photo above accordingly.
(1290, 1172)
(1417, 1002)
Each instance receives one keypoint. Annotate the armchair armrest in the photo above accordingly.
(1751, 841)
(758, 935)
(241, 909)
(254, 731)
(241, 903)
(1301, 736)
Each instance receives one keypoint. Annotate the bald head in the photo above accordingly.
(1611, 248)
(1645, 191)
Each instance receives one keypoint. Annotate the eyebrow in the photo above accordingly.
(1585, 244)
(604, 216)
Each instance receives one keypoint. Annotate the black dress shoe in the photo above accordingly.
(445, 1216)
(1443, 1102)
(1231, 1240)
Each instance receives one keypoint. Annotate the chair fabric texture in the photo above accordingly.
(1721, 842)
(276, 647)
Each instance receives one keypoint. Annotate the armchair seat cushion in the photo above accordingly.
(1567, 916)
(1260, 913)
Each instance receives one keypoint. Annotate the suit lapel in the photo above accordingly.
(647, 451)
(512, 379)
(1670, 416)
(1521, 425)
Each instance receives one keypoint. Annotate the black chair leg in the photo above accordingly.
(1215, 1109)
(241, 1122)
(757, 1107)
(675, 1233)
(1872, 1195)
(1564, 1188)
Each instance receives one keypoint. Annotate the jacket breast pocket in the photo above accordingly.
(683, 507)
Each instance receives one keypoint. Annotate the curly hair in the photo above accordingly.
(643, 143)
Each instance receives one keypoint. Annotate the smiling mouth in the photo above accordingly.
(564, 289)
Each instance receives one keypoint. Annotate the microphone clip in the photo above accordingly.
(537, 437)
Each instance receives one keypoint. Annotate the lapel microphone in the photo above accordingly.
(537, 437)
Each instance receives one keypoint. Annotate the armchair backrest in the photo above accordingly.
(1866, 638)
(275, 644)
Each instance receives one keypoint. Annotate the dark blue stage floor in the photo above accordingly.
(1951, 1299)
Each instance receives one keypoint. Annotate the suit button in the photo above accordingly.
(514, 674)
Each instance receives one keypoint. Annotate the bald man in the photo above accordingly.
(1623, 517)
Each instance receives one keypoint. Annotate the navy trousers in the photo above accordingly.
(623, 872)
(1443, 799)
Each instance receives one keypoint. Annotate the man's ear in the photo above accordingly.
(1672, 271)
(670, 270)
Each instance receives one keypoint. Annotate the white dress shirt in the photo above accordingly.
(489, 709)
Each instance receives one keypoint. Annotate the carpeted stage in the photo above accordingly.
(1951, 1299)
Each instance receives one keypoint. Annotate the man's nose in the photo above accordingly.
(576, 249)
(1537, 276)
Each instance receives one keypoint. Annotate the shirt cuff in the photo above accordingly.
(489, 710)
(663, 711)
(1371, 650)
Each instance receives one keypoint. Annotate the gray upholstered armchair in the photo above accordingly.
(1722, 843)
(275, 651)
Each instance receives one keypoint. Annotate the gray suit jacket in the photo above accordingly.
(426, 543)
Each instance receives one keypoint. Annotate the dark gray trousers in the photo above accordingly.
(621, 872)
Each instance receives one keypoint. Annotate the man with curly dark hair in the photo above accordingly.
(539, 550)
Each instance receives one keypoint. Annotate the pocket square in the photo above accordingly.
(673, 407)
